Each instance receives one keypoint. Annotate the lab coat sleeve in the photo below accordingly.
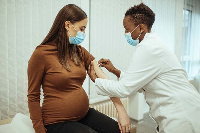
(145, 65)
(121, 75)
(111, 88)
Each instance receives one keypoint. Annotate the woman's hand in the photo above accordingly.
(107, 64)
(124, 121)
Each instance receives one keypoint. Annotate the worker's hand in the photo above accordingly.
(107, 64)
(124, 122)
(91, 72)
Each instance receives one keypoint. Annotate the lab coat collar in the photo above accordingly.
(150, 35)
(147, 36)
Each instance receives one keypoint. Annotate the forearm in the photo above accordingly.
(36, 117)
(118, 104)
(36, 112)
(116, 72)
(123, 118)
(116, 101)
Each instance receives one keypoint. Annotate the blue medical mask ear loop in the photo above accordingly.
(134, 29)
(74, 29)
(139, 34)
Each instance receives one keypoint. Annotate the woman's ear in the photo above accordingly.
(67, 25)
(142, 28)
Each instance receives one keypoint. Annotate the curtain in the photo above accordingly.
(190, 55)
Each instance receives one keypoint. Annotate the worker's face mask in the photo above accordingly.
(79, 38)
(129, 38)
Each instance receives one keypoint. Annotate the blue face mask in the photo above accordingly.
(79, 38)
(130, 40)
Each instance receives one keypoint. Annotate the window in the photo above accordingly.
(186, 36)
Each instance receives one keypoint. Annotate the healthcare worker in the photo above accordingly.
(154, 70)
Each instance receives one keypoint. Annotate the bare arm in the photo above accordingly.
(116, 72)
(123, 118)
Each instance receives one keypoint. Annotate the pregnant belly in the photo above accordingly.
(71, 106)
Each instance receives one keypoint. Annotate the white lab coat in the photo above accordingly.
(174, 103)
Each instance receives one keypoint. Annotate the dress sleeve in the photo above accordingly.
(87, 57)
(143, 68)
(35, 76)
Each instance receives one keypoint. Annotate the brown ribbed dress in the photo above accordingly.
(64, 97)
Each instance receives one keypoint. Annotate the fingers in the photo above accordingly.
(89, 67)
(103, 61)
(92, 65)
(120, 128)
(91, 72)
(93, 62)
(127, 129)
(102, 65)
(124, 129)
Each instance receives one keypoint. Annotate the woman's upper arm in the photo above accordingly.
(35, 75)
(87, 57)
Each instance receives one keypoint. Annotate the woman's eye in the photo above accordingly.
(82, 29)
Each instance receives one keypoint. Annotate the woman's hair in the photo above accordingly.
(58, 35)
(141, 14)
